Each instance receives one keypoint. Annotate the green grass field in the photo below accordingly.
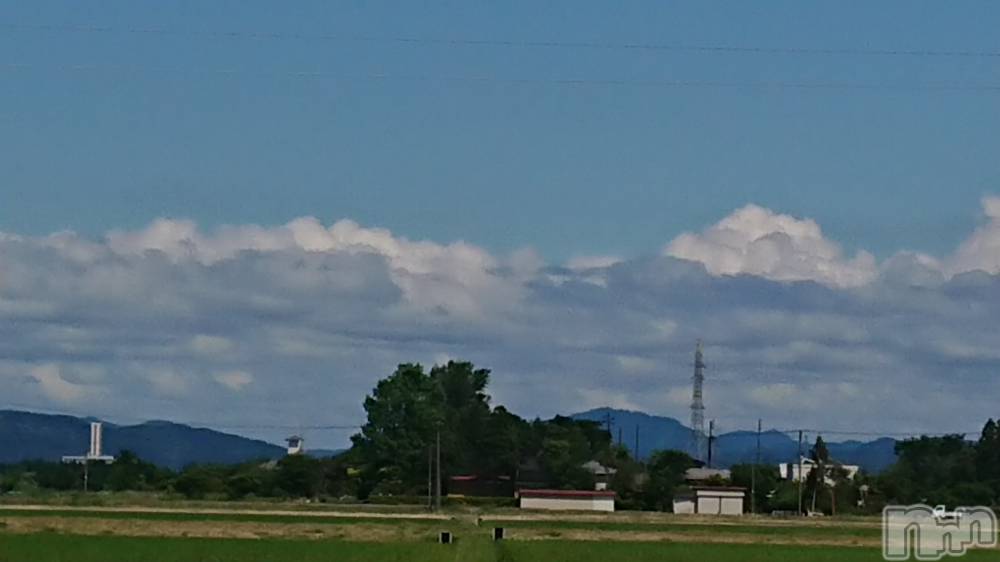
(45, 547)
(247, 517)
(95, 535)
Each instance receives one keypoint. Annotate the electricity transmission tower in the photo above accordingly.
(698, 440)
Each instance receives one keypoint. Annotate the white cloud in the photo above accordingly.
(155, 321)
(581, 263)
(52, 383)
(458, 277)
(981, 251)
(757, 241)
(234, 380)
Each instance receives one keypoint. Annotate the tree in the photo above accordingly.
(200, 481)
(818, 475)
(466, 415)
(665, 473)
(764, 482)
(300, 476)
(404, 413)
(932, 470)
(129, 472)
(504, 442)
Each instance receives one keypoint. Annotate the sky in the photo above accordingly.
(245, 213)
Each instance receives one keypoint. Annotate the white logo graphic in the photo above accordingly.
(931, 533)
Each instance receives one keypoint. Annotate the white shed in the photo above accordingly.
(568, 500)
(711, 500)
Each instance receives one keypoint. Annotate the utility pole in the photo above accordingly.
(800, 472)
(711, 438)
(430, 477)
(86, 474)
(437, 495)
(636, 442)
(608, 420)
(753, 473)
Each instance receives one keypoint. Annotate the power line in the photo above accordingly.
(876, 433)
(458, 41)
(944, 86)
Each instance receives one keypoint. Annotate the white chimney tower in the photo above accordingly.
(96, 430)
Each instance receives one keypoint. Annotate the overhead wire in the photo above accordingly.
(943, 86)
(460, 41)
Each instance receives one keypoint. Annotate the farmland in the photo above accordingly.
(93, 534)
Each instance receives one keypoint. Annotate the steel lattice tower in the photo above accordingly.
(699, 443)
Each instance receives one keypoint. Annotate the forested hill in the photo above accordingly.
(31, 436)
(658, 432)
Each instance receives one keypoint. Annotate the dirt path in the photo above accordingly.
(213, 511)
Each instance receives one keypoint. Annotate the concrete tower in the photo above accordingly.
(699, 443)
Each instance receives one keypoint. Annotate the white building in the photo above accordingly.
(95, 454)
(711, 500)
(790, 471)
(567, 500)
(296, 445)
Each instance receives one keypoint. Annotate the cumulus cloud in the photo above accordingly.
(981, 251)
(757, 241)
(293, 324)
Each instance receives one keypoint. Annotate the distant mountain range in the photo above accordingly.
(31, 436)
(658, 433)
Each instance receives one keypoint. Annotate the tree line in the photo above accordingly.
(413, 409)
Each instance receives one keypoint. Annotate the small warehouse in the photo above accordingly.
(711, 500)
(568, 500)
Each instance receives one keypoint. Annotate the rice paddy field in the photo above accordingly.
(91, 534)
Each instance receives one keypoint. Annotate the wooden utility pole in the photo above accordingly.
(608, 420)
(636, 442)
(800, 472)
(711, 438)
(430, 478)
(753, 473)
(437, 491)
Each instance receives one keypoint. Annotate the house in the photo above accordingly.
(790, 471)
(568, 500)
(602, 474)
(710, 500)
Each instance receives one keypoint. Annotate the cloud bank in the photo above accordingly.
(292, 325)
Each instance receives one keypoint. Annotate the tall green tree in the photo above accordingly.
(817, 477)
(466, 415)
(405, 410)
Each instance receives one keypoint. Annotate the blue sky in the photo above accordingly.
(157, 131)
(202, 224)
